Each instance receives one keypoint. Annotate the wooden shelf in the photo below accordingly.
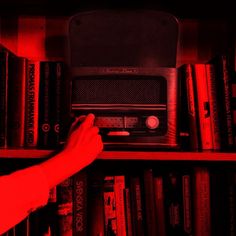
(129, 155)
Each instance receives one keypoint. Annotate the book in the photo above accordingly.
(173, 201)
(233, 106)
(80, 206)
(65, 207)
(202, 208)
(159, 205)
(4, 54)
(109, 206)
(128, 217)
(17, 78)
(223, 76)
(214, 107)
(119, 187)
(136, 205)
(56, 97)
(223, 201)
(151, 223)
(32, 103)
(203, 106)
(189, 120)
(95, 211)
(50, 99)
(44, 124)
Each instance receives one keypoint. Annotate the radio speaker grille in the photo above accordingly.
(151, 90)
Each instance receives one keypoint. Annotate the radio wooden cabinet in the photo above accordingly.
(154, 191)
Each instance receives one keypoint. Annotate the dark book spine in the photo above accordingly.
(32, 104)
(189, 116)
(55, 97)
(23, 228)
(187, 190)
(231, 199)
(136, 206)
(223, 80)
(159, 205)
(45, 139)
(96, 216)
(128, 216)
(80, 203)
(149, 203)
(3, 96)
(218, 202)
(65, 207)
(16, 100)
(227, 102)
(173, 202)
(233, 107)
(202, 212)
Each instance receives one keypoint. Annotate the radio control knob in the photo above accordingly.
(152, 122)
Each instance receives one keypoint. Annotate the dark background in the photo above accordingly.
(181, 8)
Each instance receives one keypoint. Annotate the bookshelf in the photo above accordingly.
(131, 155)
(211, 32)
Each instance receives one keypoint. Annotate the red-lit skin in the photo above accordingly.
(82, 147)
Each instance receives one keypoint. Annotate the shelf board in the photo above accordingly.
(129, 155)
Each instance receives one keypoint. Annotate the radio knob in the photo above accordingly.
(152, 122)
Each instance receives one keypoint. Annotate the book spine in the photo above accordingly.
(218, 201)
(203, 106)
(16, 100)
(227, 92)
(32, 104)
(119, 187)
(23, 228)
(55, 96)
(214, 112)
(231, 199)
(223, 80)
(58, 96)
(45, 139)
(187, 204)
(233, 107)
(159, 205)
(136, 206)
(128, 216)
(190, 97)
(149, 201)
(96, 217)
(3, 96)
(65, 207)
(202, 213)
(110, 206)
(80, 203)
(173, 202)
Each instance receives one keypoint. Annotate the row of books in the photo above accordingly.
(208, 104)
(168, 201)
(35, 102)
(30, 102)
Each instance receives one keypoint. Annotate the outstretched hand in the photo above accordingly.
(84, 142)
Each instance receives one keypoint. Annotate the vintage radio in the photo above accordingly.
(135, 107)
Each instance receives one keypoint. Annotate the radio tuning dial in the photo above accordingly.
(152, 122)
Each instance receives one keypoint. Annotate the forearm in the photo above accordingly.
(21, 192)
(61, 166)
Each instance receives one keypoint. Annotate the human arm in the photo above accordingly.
(25, 190)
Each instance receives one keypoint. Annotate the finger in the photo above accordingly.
(89, 120)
